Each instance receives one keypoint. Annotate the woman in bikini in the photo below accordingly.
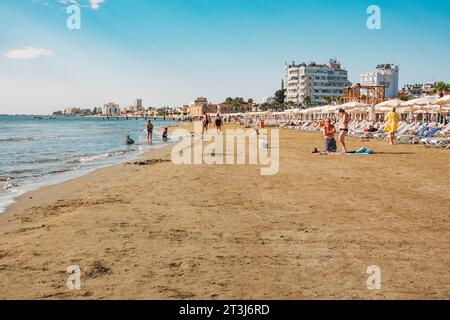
(343, 128)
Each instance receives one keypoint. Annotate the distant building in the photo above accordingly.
(417, 89)
(268, 100)
(139, 104)
(315, 81)
(386, 75)
(71, 111)
(200, 106)
(85, 112)
(110, 109)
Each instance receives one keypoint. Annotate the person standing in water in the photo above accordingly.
(165, 135)
(343, 128)
(392, 119)
(150, 132)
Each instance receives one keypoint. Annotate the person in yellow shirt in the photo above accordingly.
(392, 120)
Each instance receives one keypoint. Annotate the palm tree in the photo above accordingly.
(441, 88)
(308, 102)
(327, 99)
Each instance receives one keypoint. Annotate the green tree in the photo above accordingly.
(280, 96)
(308, 102)
(404, 98)
(250, 101)
(327, 99)
(441, 88)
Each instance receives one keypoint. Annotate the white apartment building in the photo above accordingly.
(71, 111)
(384, 75)
(110, 109)
(315, 81)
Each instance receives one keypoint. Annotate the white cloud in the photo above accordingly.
(27, 53)
(95, 4)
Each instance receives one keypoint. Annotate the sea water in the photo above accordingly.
(38, 151)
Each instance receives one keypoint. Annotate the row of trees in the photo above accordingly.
(238, 101)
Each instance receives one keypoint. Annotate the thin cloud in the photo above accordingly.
(27, 53)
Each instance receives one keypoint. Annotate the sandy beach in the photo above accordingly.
(161, 231)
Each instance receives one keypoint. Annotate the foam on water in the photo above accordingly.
(36, 153)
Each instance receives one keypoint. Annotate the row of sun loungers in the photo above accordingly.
(429, 134)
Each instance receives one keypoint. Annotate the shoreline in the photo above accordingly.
(161, 231)
(18, 203)
(76, 173)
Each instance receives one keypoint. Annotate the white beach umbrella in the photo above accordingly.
(420, 101)
(391, 103)
(443, 100)
(354, 104)
(383, 109)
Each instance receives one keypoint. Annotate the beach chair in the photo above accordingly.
(442, 135)
(407, 138)
(429, 134)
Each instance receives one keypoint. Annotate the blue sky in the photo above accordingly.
(170, 51)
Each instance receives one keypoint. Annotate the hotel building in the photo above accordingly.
(315, 81)
(110, 109)
(384, 75)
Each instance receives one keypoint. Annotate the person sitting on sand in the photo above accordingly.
(165, 135)
(392, 120)
(329, 131)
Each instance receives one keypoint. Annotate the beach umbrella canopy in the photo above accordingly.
(391, 103)
(443, 100)
(420, 101)
(354, 104)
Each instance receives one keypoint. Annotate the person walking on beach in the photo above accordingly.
(329, 131)
(392, 119)
(205, 123)
(219, 124)
(150, 131)
(343, 128)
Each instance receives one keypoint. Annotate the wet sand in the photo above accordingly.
(161, 231)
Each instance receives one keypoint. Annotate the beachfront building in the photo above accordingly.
(200, 106)
(315, 81)
(110, 109)
(71, 111)
(384, 75)
(417, 90)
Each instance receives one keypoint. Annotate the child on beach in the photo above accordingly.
(329, 131)
(165, 135)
